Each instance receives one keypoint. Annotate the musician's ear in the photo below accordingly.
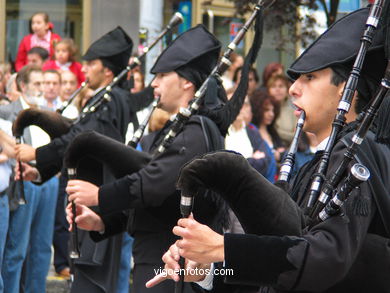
(341, 89)
(107, 72)
(187, 84)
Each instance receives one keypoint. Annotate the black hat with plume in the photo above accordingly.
(113, 49)
(337, 48)
(192, 55)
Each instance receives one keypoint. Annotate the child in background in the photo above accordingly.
(41, 36)
(37, 56)
(64, 55)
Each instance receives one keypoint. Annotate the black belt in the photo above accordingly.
(4, 192)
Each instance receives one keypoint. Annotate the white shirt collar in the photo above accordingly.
(63, 66)
(322, 145)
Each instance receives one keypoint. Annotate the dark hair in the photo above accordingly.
(42, 53)
(252, 69)
(23, 75)
(72, 49)
(269, 70)
(138, 70)
(258, 99)
(361, 100)
(45, 18)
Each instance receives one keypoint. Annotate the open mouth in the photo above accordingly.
(295, 107)
(298, 110)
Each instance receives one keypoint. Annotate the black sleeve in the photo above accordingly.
(110, 119)
(317, 260)
(152, 185)
(49, 157)
(114, 223)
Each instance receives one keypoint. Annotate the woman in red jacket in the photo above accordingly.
(64, 60)
(42, 36)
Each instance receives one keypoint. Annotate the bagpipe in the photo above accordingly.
(289, 161)
(51, 122)
(316, 202)
(230, 111)
(264, 208)
(123, 160)
(55, 124)
(101, 97)
(104, 148)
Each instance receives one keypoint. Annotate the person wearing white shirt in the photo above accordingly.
(31, 225)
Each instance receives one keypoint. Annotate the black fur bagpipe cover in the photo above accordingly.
(90, 151)
(51, 122)
(261, 207)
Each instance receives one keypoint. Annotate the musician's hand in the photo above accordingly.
(86, 219)
(200, 243)
(29, 173)
(24, 152)
(83, 192)
(172, 267)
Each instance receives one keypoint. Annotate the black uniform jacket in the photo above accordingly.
(346, 253)
(152, 192)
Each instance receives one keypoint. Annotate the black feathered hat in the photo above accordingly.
(114, 49)
(337, 48)
(192, 55)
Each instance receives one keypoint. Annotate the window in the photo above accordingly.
(66, 16)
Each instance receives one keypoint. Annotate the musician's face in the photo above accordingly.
(171, 88)
(96, 74)
(318, 97)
